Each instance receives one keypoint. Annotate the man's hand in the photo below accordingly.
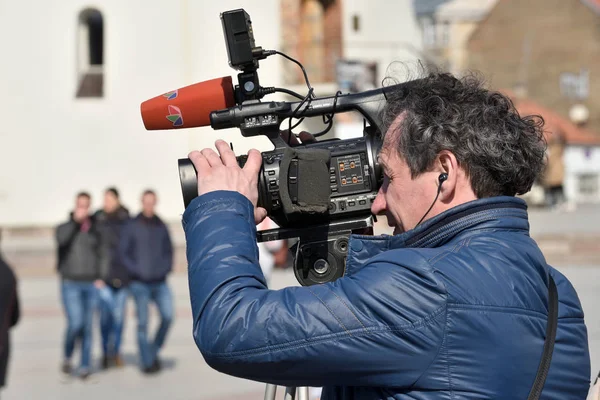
(224, 173)
(99, 283)
(305, 138)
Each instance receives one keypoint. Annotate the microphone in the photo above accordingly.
(188, 107)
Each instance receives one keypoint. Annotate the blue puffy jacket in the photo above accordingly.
(455, 309)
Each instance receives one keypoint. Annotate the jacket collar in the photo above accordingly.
(497, 213)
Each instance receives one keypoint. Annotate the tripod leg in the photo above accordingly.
(303, 393)
(270, 392)
(290, 393)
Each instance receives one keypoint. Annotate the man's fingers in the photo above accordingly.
(259, 215)
(285, 135)
(253, 163)
(200, 162)
(226, 153)
(213, 158)
(307, 137)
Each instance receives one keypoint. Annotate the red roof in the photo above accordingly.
(593, 4)
(555, 124)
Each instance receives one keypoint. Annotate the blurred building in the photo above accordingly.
(573, 154)
(548, 50)
(348, 45)
(74, 75)
(446, 26)
(320, 33)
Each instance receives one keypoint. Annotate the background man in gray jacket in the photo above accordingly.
(82, 263)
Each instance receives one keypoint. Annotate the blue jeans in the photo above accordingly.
(160, 294)
(79, 301)
(112, 318)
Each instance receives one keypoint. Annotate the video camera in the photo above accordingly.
(319, 192)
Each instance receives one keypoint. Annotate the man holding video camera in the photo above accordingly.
(454, 305)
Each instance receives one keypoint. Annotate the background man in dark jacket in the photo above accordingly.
(147, 252)
(82, 264)
(9, 315)
(454, 305)
(113, 295)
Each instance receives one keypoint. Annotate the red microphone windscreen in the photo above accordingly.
(188, 107)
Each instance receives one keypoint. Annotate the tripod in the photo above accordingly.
(290, 392)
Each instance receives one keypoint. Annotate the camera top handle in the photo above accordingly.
(265, 118)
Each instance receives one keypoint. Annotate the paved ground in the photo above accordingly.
(37, 340)
(34, 370)
(571, 241)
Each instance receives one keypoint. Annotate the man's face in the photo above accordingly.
(110, 202)
(402, 199)
(148, 204)
(82, 205)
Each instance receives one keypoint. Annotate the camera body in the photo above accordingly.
(352, 181)
(319, 193)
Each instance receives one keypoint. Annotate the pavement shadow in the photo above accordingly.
(132, 359)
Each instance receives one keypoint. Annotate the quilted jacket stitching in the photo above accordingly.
(331, 311)
(331, 337)
(346, 305)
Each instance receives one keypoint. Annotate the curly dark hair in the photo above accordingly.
(501, 152)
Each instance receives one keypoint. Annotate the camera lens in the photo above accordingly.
(188, 179)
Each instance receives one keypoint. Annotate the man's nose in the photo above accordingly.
(379, 205)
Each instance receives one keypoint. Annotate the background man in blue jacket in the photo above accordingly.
(454, 307)
(147, 252)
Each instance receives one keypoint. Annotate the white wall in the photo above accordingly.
(53, 145)
(388, 33)
(580, 160)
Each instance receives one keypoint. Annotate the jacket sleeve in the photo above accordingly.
(16, 309)
(65, 233)
(125, 248)
(167, 250)
(381, 327)
(103, 251)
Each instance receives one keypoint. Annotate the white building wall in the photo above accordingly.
(53, 144)
(581, 160)
(388, 33)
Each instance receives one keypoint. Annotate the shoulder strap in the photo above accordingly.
(551, 327)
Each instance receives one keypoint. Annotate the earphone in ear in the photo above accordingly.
(441, 178)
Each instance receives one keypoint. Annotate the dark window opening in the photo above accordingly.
(355, 23)
(91, 54)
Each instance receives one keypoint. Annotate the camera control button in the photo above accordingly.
(271, 172)
(362, 202)
(351, 204)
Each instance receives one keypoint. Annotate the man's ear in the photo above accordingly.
(446, 163)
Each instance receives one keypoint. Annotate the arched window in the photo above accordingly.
(90, 57)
